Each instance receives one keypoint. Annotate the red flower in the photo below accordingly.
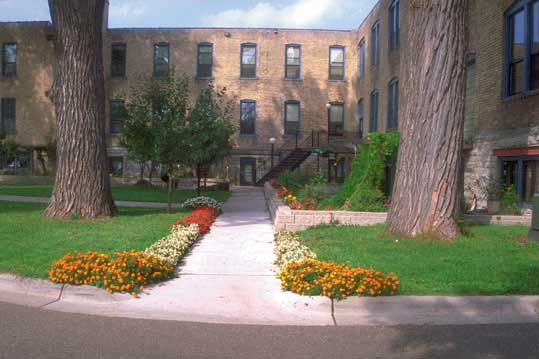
(387, 205)
(204, 216)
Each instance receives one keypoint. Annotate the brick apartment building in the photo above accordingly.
(318, 88)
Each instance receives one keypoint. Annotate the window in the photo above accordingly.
(247, 117)
(522, 48)
(361, 60)
(394, 25)
(118, 59)
(8, 115)
(523, 174)
(205, 60)
(360, 116)
(373, 119)
(292, 116)
(336, 62)
(293, 62)
(116, 166)
(248, 61)
(375, 43)
(161, 59)
(116, 116)
(393, 105)
(336, 119)
(9, 59)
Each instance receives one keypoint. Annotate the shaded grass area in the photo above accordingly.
(30, 243)
(119, 193)
(488, 260)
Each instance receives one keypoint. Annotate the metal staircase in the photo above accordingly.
(295, 151)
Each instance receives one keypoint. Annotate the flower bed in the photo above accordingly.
(202, 201)
(292, 201)
(131, 271)
(288, 249)
(124, 272)
(337, 281)
(202, 215)
(303, 274)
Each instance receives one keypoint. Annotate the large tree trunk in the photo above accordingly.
(82, 185)
(426, 191)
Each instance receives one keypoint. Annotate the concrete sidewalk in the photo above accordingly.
(29, 199)
(228, 278)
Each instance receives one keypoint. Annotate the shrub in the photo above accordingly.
(174, 246)
(203, 215)
(289, 249)
(366, 199)
(368, 165)
(295, 180)
(338, 281)
(311, 196)
(124, 272)
(508, 203)
(202, 201)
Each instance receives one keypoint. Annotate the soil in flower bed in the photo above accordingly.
(489, 260)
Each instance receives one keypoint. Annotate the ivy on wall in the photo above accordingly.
(363, 186)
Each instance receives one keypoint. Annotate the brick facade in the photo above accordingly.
(491, 121)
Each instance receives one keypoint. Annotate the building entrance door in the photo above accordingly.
(247, 171)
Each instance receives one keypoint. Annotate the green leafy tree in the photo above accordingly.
(8, 148)
(209, 130)
(155, 124)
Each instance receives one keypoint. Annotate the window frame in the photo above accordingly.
(292, 102)
(394, 25)
(112, 103)
(375, 45)
(340, 104)
(520, 173)
(112, 75)
(4, 60)
(361, 48)
(4, 100)
(339, 47)
(527, 7)
(374, 111)
(154, 73)
(199, 45)
(297, 46)
(248, 101)
(393, 105)
(242, 47)
(360, 118)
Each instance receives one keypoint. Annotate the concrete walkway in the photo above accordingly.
(29, 199)
(228, 278)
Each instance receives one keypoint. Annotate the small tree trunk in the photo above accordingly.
(426, 191)
(82, 185)
(198, 180)
(141, 172)
(150, 172)
(169, 193)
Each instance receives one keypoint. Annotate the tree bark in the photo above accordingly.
(82, 185)
(426, 190)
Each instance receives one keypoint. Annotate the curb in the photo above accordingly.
(299, 311)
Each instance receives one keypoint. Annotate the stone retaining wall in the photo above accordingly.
(286, 219)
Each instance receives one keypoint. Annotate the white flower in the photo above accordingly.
(288, 249)
(174, 246)
(202, 201)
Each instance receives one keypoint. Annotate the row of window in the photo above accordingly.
(292, 114)
(248, 55)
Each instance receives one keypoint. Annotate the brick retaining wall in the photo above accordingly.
(286, 219)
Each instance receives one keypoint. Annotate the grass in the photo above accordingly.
(119, 193)
(29, 243)
(489, 260)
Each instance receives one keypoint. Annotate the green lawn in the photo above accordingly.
(119, 193)
(29, 243)
(490, 260)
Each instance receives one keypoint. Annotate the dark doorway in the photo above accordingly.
(247, 171)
